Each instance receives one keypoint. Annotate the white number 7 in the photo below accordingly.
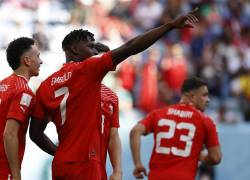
(63, 91)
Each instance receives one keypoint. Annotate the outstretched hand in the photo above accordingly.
(139, 172)
(185, 21)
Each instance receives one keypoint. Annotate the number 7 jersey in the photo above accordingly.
(71, 98)
(180, 131)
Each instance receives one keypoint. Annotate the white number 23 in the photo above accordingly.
(170, 134)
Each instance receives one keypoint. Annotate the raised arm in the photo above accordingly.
(114, 150)
(145, 40)
(38, 136)
(135, 146)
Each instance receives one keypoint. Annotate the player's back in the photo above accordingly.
(179, 133)
(71, 97)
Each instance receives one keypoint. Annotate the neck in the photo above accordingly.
(22, 72)
(185, 100)
(71, 57)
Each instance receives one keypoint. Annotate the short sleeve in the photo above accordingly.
(39, 111)
(148, 122)
(22, 103)
(212, 138)
(115, 117)
(99, 66)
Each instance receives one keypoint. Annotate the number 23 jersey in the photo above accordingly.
(180, 131)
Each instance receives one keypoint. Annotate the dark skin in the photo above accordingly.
(84, 49)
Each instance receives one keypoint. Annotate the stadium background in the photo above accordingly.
(217, 50)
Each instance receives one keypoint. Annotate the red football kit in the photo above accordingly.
(180, 131)
(71, 98)
(16, 102)
(110, 119)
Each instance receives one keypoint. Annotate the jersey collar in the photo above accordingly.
(21, 77)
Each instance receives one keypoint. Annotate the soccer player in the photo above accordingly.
(180, 131)
(71, 98)
(16, 102)
(109, 131)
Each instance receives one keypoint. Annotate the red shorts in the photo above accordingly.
(90, 170)
(5, 174)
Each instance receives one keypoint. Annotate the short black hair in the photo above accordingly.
(192, 84)
(15, 50)
(76, 36)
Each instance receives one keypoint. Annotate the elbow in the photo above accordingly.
(33, 136)
(132, 133)
(215, 159)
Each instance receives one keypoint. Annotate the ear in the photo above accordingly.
(74, 49)
(26, 60)
(191, 94)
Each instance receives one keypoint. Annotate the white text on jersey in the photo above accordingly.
(61, 79)
(180, 113)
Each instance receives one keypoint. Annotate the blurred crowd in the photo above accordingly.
(217, 49)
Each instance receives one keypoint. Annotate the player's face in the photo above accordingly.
(86, 49)
(201, 98)
(33, 60)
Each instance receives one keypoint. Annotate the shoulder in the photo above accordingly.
(108, 94)
(158, 112)
(21, 86)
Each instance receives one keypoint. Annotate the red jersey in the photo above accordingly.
(16, 102)
(71, 97)
(110, 119)
(180, 131)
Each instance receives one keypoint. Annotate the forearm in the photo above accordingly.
(135, 145)
(38, 136)
(11, 149)
(211, 156)
(114, 150)
(145, 40)
(44, 143)
(139, 43)
(205, 158)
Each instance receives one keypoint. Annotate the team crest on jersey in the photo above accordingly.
(26, 99)
(111, 108)
(4, 87)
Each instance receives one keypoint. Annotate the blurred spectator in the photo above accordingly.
(148, 94)
(217, 49)
(174, 69)
(40, 36)
(147, 13)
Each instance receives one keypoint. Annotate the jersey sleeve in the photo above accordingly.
(39, 111)
(21, 105)
(99, 66)
(148, 122)
(115, 117)
(212, 138)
